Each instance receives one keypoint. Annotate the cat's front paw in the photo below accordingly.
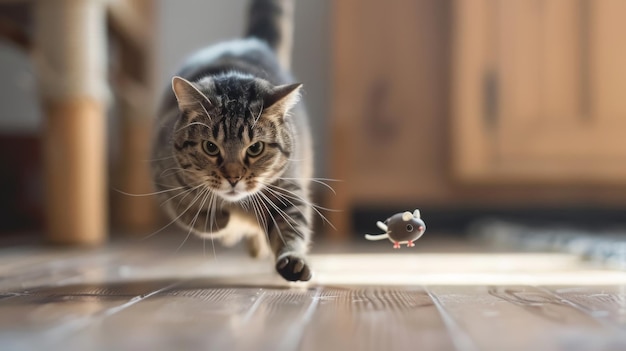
(293, 268)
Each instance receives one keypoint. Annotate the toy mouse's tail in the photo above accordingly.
(376, 237)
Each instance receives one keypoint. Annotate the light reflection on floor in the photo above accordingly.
(461, 269)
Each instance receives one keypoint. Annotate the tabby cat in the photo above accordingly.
(232, 152)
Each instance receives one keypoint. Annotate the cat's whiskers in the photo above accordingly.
(205, 111)
(206, 219)
(186, 192)
(296, 159)
(286, 201)
(280, 234)
(205, 195)
(258, 213)
(286, 195)
(282, 213)
(320, 181)
(212, 213)
(148, 194)
(259, 115)
(192, 124)
(210, 221)
(182, 199)
(314, 178)
(296, 196)
(175, 219)
(159, 159)
(243, 204)
(175, 169)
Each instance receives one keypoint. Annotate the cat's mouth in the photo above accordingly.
(234, 195)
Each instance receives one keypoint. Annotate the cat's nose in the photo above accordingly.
(233, 173)
(233, 180)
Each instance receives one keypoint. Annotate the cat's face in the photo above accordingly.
(233, 134)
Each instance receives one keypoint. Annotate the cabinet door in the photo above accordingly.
(539, 91)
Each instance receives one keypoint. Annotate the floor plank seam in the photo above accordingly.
(460, 339)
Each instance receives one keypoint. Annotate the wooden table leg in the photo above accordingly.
(132, 27)
(75, 171)
(70, 39)
(134, 214)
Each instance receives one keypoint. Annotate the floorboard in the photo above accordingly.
(605, 303)
(376, 318)
(153, 296)
(517, 318)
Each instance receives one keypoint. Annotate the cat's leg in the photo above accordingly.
(240, 225)
(258, 246)
(289, 236)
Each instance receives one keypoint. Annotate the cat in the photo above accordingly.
(232, 151)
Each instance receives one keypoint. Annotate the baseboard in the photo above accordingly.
(456, 220)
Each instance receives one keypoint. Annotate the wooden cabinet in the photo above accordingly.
(478, 103)
(539, 91)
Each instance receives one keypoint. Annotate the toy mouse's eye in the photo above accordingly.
(409, 228)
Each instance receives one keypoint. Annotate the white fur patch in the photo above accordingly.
(238, 227)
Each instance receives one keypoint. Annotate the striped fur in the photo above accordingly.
(227, 102)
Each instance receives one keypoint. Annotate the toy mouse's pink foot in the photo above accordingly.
(410, 244)
(396, 245)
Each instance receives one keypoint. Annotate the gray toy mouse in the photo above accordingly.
(401, 228)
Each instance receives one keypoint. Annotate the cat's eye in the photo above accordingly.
(210, 148)
(255, 149)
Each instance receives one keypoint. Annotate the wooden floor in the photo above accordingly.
(148, 295)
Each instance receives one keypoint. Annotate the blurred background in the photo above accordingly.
(467, 110)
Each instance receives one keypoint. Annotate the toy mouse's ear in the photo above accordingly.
(407, 216)
(416, 214)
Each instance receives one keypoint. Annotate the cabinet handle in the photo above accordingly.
(585, 81)
(490, 95)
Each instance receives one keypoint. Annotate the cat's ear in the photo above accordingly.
(282, 98)
(187, 95)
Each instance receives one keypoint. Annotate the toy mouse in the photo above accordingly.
(401, 228)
